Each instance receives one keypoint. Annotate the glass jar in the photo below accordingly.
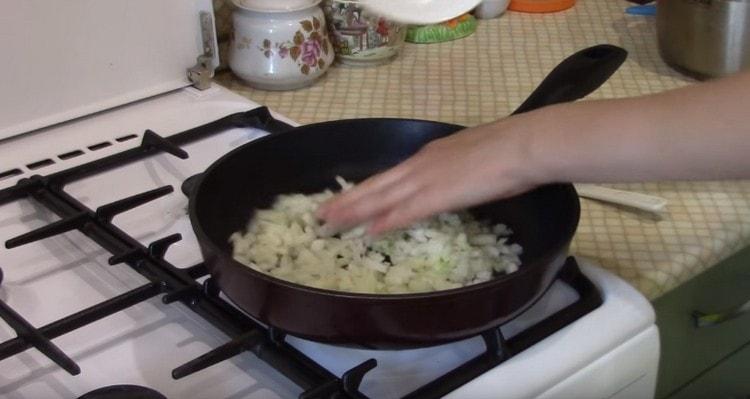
(360, 38)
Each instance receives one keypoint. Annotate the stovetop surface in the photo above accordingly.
(49, 279)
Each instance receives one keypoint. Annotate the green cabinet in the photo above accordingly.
(692, 355)
(728, 379)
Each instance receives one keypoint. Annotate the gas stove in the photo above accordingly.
(102, 288)
(103, 285)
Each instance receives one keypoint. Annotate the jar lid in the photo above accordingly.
(540, 5)
(275, 5)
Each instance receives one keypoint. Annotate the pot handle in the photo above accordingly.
(190, 184)
(576, 77)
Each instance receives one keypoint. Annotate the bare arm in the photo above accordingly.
(697, 132)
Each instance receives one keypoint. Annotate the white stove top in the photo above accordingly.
(52, 278)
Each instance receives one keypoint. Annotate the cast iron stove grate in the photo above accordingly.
(175, 284)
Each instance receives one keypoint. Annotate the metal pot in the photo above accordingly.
(704, 38)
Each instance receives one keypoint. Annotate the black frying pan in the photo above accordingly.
(306, 159)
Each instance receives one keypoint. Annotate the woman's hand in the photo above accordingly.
(467, 168)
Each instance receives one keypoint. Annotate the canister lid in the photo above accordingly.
(275, 5)
(540, 5)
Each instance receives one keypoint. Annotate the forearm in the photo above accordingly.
(698, 132)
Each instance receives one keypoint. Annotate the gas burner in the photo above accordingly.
(123, 392)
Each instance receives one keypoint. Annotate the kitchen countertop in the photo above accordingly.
(485, 76)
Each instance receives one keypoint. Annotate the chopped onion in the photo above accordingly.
(447, 251)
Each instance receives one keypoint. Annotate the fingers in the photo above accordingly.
(397, 217)
(339, 208)
(430, 199)
(366, 199)
(365, 209)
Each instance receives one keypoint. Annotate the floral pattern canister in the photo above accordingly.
(279, 46)
(360, 38)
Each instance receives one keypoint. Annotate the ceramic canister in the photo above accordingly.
(279, 45)
(361, 38)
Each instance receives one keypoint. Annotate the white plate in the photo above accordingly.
(419, 12)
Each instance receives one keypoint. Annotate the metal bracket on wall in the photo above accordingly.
(201, 73)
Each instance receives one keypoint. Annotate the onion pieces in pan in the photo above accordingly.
(447, 251)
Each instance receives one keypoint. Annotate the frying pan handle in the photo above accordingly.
(576, 77)
(190, 184)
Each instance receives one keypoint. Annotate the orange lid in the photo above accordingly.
(540, 5)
